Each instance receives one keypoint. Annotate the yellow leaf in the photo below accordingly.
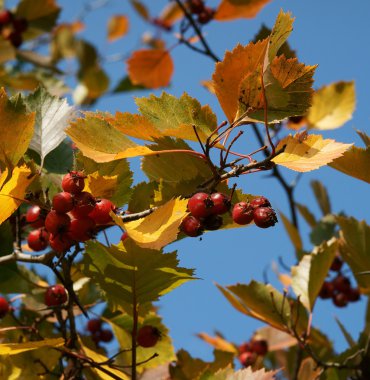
(17, 348)
(228, 10)
(218, 342)
(118, 26)
(12, 192)
(304, 155)
(332, 106)
(159, 228)
(171, 14)
(355, 162)
(101, 186)
(150, 68)
(16, 128)
(208, 85)
(292, 231)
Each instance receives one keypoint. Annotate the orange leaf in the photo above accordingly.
(171, 14)
(228, 10)
(304, 155)
(117, 27)
(218, 342)
(150, 68)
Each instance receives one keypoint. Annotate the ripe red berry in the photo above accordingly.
(342, 283)
(200, 205)
(60, 242)
(206, 16)
(260, 347)
(260, 202)
(327, 290)
(35, 217)
(264, 217)
(15, 39)
(247, 358)
(101, 211)
(244, 347)
(191, 226)
(20, 25)
(221, 203)
(84, 204)
(5, 17)
(340, 300)
(105, 335)
(242, 213)
(38, 239)
(148, 336)
(94, 325)
(56, 223)
(336, 264)
(4, 307)
(196, 6)
(73, 182)
(63, 202)
(353, 294)
(212, 222)
(82, 229)
(56, 295)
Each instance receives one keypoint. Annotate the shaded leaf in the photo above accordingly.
(142, 196)
(141, 9)
(118, 26)
(292, 231)
(232, 9)
(309, 370)
(309, 275)
(17, 348)
(365, 138)
(125, 85)
(7, 51)
(151, 68)
(307, 215)
(276, 339)
(345, 333)
(96, 82)
(324, 230)
(171, 14)
(309, 154)
(322, 196)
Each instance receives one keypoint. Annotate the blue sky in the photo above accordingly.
(332, 34)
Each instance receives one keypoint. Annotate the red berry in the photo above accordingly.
(196, 6)
(191, 226)
(212, 222)
(84, 204)
(38, 239)
(244, 347)
(56, 295)
(221, 203)
(4, 307)
(336, 264)
(353, 294)
(101, 211)
(15, 39)
(5, 17)
(73, 182)
(260, 202)
(200, 205)
(63, 202)
(124, 236)
(327, 290)
(206, 16)
(242, 213)
(56, 223)
(260, 347)
(20, 25)
(148, 336)
(340, 300)
(60, 242)
(342, 284)
(105, 336)
(264, 217)
(82, 229)
(247, 358)
(94, 325)
(35, 217)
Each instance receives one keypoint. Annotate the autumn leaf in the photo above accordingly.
(151, 68)
(276, 339)
(292, 232)
(218, 342)
(171, 14)
(118, 26)
(17, 348)
(249, 374)
(309, 370)
(12, 192)
(159, 228)
(140, 9)
(309, 153)
(332, 106)
(16, 127)
(322, 196)
(233, 9)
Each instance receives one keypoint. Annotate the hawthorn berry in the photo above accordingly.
(247, 358)
(100, 213)
(4, 307)
(15, 39)
(148, 336)
(337, 264)
(264, 217)
(84, 204)
(56, 295)
(212, 222)
(242, 213)
(94, 325)
(38, 239)
(327, 290)
(63, 202)
(192, 226)
(221, 203)
(35, 217)
(60, 242)
(56, 223)
(353, 294)
(81, 229)
(260, 202)
(73, 182)
(105, 335)
(244, 347)
(340, 300)
(206, 16)
(259, 346)
(196, 6)
(342, 283)
(20, 25)
(5, 17)
(200, 205)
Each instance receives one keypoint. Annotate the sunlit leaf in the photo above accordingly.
(309, 370)
(118, 26)
(151, 68)
(332, 106)
(249, 374)
(12, 192)
(232, 9)
(218, 342)
(17, 348)
(159, 228)
(276, 339)
(309, 275)
(16, 127)
(171, 14)
(309, 154)
(355, 163)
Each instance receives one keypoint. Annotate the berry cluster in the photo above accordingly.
(206, 210)
(148, 336)
(249, 351)
(12, 28)
(98, 334)
(73, 217)
(339, 288)
(204, 14)
(4, 307)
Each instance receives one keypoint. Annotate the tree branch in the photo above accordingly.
(17, 255)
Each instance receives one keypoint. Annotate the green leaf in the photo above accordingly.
(324, 230)
(322, 196)
(17, 348)
(142, 196)
(127, 273)
(125, 85)
(345, 333)
(310, 274)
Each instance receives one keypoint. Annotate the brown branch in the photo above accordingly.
(17, 255)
